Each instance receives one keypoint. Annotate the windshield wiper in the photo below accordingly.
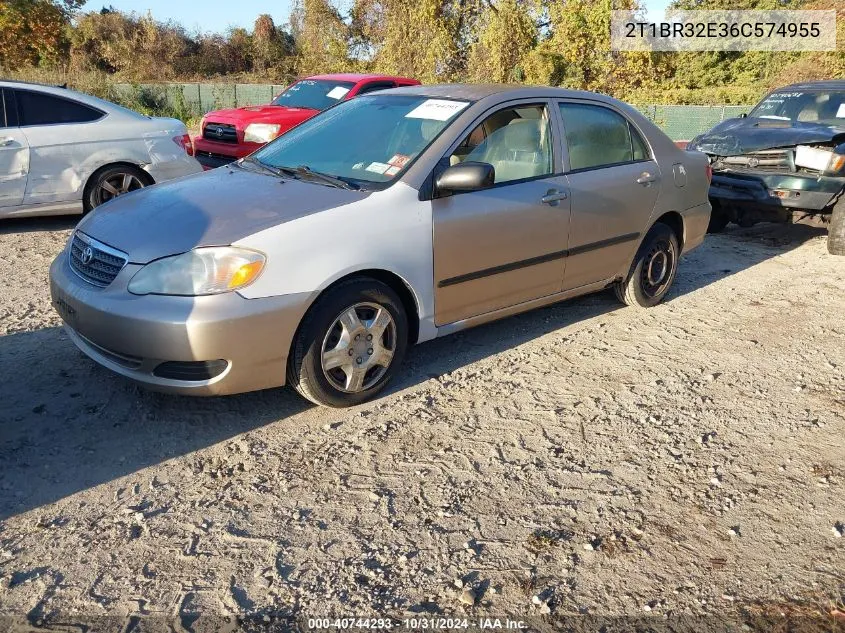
(304, 171)
(268, 168)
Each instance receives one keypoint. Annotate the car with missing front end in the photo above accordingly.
(783, 162)
(388, 220)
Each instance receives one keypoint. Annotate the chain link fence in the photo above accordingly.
(680, 122)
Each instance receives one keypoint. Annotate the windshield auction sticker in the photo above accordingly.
(437, 109)
(724, 31)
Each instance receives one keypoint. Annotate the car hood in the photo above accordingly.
(733, 137)
(241, 117)
(215, 208)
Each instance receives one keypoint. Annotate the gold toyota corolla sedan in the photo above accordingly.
(387, 220)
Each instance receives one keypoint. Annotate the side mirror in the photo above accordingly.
(470, 176)
(744, 115)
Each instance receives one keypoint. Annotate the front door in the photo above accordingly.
(14, 156)
(614, 183)
(507, 244)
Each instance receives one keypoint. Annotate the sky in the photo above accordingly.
(207, 16)
(216, 16)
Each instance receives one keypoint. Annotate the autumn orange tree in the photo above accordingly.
(34, 31)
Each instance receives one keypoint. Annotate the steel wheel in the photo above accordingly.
(359, 347)
(657, 267)
(116, 185)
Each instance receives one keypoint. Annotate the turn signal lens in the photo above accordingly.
(245, 274)
(837, 162)
(709, 173)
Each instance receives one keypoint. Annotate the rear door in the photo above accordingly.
(614, 183)
(62, 135)
(14, 154)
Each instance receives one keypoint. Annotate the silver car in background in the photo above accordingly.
(385, 221)
(65, 152)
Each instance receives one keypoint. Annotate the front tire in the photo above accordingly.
(653, 269)
(350, 344)
(111, 182)
(836, 230)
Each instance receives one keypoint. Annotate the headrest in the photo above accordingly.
(522, 135)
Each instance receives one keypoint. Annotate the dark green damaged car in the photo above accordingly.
(783, 162)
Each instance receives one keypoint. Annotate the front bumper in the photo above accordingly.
(133, 335)
(212, 154)
(801, 193)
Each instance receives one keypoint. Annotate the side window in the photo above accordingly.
(597, 136)
(373, 87)
(3, 122)
(36, 108)
(640, 148)
(516, 141)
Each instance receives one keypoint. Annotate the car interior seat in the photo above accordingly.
(516, 151)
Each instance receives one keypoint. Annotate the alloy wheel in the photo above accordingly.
(359, 347)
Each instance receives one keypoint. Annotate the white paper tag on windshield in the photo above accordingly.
(840, 113)
(436, 110)
(338, 92)
(378, 168)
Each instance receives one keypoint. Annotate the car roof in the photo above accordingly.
(356, 77)
(828, 84)
(81, 97)
(477, 92)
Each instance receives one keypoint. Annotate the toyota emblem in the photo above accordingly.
(219, 132)
(87, 255)
(753, 162)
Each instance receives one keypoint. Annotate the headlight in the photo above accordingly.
(261, 132)
(203, 271)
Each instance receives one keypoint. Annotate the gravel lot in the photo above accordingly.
(583, 458)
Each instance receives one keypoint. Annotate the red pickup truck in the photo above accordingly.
(227, 135)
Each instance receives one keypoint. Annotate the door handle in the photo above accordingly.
(553, 196)
(4, 142)
(646, 178)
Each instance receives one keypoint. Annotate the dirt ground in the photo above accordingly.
(581, 459)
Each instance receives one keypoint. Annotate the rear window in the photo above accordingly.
(3, 122)
(36, 108)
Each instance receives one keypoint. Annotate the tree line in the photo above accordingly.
(553, 42)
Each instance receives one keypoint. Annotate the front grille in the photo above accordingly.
(95, 262)
(220, 132)
(777, 160)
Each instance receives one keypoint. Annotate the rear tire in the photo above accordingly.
(350, 344)
(836, 231)
(653, 269)
(111, 182)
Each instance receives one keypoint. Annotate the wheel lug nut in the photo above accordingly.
(357, 337)
(369, 337)
(360, 360)
(351, 352)
(370, 351)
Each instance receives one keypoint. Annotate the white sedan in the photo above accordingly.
(66, 152)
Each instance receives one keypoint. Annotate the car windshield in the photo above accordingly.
(812, 106)
(370, 139)
(316, 94)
